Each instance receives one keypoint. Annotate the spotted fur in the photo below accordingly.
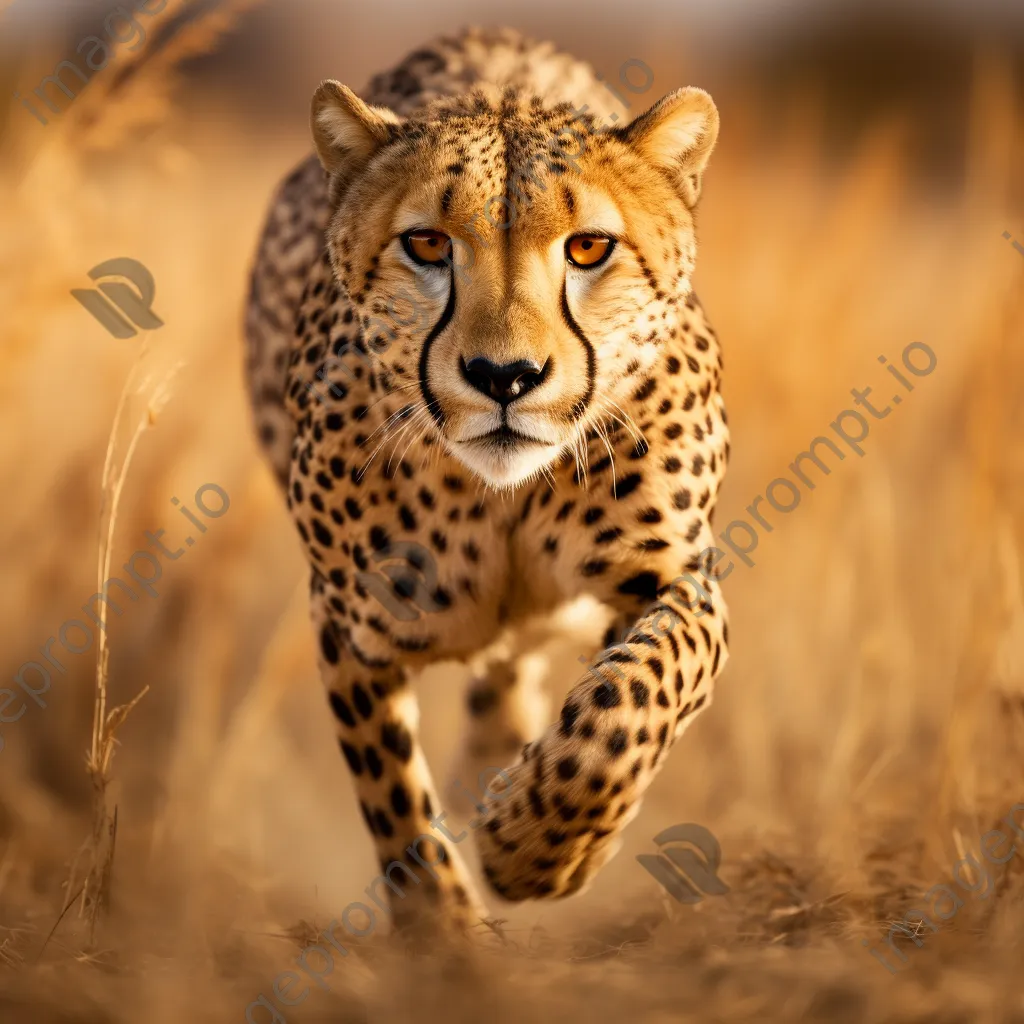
(378, 438)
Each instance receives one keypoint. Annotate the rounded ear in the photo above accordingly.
(677, 135)
(347, 131)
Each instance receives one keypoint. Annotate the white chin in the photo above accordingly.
(506, 468)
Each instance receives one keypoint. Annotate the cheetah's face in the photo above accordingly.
(513, 267)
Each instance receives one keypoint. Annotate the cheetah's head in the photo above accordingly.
(515, 266)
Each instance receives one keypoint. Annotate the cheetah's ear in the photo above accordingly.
(677, 135)
(347, 131)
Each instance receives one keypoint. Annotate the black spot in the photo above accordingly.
(642, 735)
(606, 696)
(618, 741)
(640, 692)
(626, 486)
(568, 768)
(536, 803)
(481, 700)
(353, 509)
(396, 738)
(644, 585)
(408, 519)
(361, 700)
(672, 464)
(649, 515)
(570, 712)
(645, 390)
(368, 817)
(400, 800)
(379, 538)
(672, 364)
(328, 645)
(341, 710)
(681, 500)
(607, 536)
(355, 762)
(563, 512)
(592, 515)
(595, 567)
(384, 826)
(322, 534)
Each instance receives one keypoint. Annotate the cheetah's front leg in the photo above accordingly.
(574, 790)
(424, 880)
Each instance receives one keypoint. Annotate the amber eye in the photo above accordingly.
(426, 247)
(588, 250)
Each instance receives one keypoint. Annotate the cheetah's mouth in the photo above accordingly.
(504, 457)
(504, 438)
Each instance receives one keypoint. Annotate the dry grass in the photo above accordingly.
(869, 727)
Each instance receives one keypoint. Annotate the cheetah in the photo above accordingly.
(478, 369)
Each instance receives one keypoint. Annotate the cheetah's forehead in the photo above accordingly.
(518, 167)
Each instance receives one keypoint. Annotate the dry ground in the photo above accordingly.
(867, 731)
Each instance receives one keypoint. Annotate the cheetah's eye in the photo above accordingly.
(588, 250)
(426, 247)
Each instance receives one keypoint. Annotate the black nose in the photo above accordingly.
(503, 383)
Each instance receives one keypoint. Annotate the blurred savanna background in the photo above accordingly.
(869, 727)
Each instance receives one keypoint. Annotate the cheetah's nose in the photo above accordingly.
(503, 383)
